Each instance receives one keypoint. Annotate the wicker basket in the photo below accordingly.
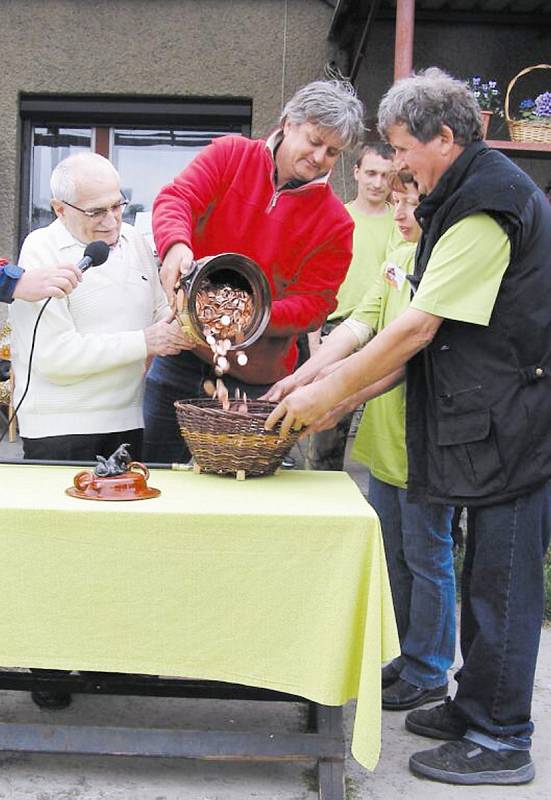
(522, 130)
(229, 442)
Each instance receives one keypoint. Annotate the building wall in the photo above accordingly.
(262, 49)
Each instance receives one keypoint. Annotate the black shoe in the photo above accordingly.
(468, 763)
(440, 722)
(288, 462)
(402, 695)
(389, 675)
(54, 701)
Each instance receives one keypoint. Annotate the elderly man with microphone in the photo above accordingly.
(86, 375)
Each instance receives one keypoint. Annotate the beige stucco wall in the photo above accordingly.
(219, 48)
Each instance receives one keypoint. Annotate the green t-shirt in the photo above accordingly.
(394, 241)
(380, 442)
(464, 272)
(461, 282)
(369, 247)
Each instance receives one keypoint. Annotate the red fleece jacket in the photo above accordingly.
(225, 200)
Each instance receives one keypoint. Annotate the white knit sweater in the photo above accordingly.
(89, 359)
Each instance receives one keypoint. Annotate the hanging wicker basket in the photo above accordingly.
(522, 130)
(229, 442)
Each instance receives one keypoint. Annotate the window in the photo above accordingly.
(147, 159)
(148, 140)
(49, 147)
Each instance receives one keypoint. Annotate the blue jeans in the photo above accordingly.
(418, 547)
(173, 378)
(502, 613)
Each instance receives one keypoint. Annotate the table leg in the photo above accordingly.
(327, 720)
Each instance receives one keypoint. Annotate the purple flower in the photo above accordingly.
(543, 105)
(527, 104)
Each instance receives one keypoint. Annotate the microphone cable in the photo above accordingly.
(13, 415)
(96, 253)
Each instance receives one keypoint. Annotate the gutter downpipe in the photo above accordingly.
(403, 47)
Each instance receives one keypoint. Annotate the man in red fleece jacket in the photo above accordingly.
(271, 201)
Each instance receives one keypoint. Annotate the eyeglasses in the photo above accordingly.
(100, 213)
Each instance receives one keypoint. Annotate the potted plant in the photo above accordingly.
(533, 123)
(488, 97)
(538, 110)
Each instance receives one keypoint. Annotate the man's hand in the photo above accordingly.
(301, 408)
(177, 261)
(285, 386)
(280, 389)
(331, 418)
(166, 338)
(37, 284)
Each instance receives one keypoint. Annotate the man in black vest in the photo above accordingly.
(477, 344)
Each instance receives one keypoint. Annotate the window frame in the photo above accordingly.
(103, 114)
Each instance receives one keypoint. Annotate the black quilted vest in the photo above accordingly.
(479, 398)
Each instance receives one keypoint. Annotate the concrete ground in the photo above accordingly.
(43, 777)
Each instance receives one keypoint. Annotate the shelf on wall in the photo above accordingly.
(533, 149)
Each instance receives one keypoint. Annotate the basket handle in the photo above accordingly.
(512, 83)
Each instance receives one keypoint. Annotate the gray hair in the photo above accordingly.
(425, 102)
(67, 174)
(333, 105)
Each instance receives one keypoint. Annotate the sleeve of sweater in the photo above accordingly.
(179, 204)
(62, 354)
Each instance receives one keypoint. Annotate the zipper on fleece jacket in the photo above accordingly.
(273, 201)
(278, 192)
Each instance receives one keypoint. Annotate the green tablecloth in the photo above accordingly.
(275, 582)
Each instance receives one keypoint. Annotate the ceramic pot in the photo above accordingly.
(130, 485)
(238, 271)
(486, 117)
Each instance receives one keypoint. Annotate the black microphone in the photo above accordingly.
(96, 253)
